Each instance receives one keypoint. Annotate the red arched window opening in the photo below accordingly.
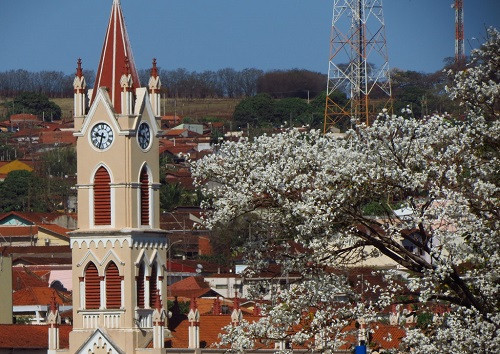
(153, 285)
(144, 180)
(113, 287)
(140, 287)
(102, 197)
(92, 287)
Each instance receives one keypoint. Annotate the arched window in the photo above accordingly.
(140, 287)
(102, 197)
(92, 287)
(153, 284)
(113, 287)
(144, 180)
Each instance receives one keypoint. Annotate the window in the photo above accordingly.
(92, 287)
(221, 286)
(113, 287)
(140, 287)
(153, 285)
(144, 180)
(102, 197)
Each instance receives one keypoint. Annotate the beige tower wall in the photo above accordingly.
(124, 159)
(124, 326)
(5, 289)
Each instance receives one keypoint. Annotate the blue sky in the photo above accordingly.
(209, 35)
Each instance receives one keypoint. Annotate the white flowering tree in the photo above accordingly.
(309, 196)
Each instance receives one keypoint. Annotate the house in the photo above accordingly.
(34, 235)
(19, 218)
(16, 165)
(32, 303)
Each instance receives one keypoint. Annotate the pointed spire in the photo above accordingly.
(116, 52)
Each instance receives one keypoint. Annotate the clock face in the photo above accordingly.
(101, 136)
(144, 135)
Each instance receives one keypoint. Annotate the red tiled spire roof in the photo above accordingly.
(79, 71)
(116, 54)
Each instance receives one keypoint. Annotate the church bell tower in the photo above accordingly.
(118, 250)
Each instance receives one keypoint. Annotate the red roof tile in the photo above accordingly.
(21, 117)
(17, 336)
(23, 277)
(39, 296)
(116, 51)
(210, 327)
(18, 231)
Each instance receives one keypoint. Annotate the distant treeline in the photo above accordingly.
(179, 83)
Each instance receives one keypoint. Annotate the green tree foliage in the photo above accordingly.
(264, 111)
(7, 151)
(291, 83)
(59, 162)
(22, 191)
(424, 93)
(256, 110)
(34, 103)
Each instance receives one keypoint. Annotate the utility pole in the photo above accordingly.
(358, 64)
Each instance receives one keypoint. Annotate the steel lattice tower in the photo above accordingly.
(358, 63)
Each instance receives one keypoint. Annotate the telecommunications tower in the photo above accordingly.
(358, 64)
(459, 31)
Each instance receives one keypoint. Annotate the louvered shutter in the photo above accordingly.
(102, 197)
(144, 197)
(113, 287)
(140, 287)
(153, 287)
(92, 288)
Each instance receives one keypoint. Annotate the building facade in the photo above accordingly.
(118, 251)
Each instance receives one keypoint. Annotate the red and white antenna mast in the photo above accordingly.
(459, 31)
(358, 64)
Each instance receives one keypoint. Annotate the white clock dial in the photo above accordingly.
(144, 135)
(101, 136)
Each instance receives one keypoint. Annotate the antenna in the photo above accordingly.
(459, 31)
(358, 64)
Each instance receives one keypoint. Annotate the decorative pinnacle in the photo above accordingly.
(236, 301)
(126, 67)
(154, 69)
(53, 303)
(193, 306)
(157, 303)
(79, 71)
